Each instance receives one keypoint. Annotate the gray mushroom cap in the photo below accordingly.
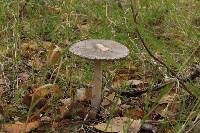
(99, 49)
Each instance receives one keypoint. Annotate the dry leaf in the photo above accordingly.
(136, 83)
(126, 74)
(168, 106)
(108, 100)
(75, 109)
(135, 126)
(18, 127)
(67, 101)
(44, 90)
(108, 109)
(134, 113)
(40, 93)
(132, 83)
(167, 99)
(119, 124)
(171, 110)
(65, 108)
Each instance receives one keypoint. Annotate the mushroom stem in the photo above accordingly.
(96, 92)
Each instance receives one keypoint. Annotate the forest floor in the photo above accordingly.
(43, 87)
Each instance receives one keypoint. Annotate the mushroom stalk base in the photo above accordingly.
(96, 92)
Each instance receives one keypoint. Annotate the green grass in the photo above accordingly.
(167, 26)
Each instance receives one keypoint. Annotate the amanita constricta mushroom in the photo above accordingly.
(98, 50)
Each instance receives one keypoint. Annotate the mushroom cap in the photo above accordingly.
(99, 49)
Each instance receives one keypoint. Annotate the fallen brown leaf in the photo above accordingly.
(108, 99)
(126, 73)
(40, 93)
(44, 90)
(75, 109)
(18, 127)
(65, 108)
(119, 124)
(167, 98)
(131, 83)
(134, 113)
(168, 106)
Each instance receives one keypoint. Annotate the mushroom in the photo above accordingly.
(98, 50)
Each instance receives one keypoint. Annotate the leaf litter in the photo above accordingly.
(19, 127)
(119, 125)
